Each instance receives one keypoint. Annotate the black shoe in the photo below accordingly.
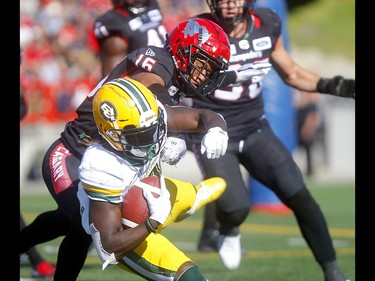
(208, 241)
(332, 272)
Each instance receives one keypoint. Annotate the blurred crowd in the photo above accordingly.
(59, 63)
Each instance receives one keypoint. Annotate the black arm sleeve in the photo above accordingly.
(162, 94)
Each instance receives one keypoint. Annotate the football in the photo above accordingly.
(134, 207)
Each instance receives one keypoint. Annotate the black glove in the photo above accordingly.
(337, 86)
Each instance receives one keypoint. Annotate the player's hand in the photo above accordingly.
(337, 86)
(214, 143)
(250, 70)
(159, 207)
(173, 151)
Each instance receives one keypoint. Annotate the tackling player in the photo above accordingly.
(132, 127)
(255, 39)
(196, 53)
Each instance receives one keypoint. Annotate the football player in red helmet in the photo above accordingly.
(197, 53)
(202, 54)
(256, 45)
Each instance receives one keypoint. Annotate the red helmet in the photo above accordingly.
(203, 39)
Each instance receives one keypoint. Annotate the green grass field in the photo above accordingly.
(275, 248)
(328, 25)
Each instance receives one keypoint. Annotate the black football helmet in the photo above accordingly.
(215, 7)
(133, 6)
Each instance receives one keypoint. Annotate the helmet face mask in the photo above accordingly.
(129, 119)
(216, 7)
(135, 7)
(200, 50)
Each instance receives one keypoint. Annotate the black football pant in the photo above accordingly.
(267, 160)
(60, 173)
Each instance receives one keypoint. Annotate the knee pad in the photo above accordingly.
(229, 222)
(191, 273)
(302, 202)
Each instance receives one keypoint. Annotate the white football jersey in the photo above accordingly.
(108, 176)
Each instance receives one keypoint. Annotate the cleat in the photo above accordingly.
(229, 248)
(335, 275)
(44, 269)
(208, 241)
(332, 272)
(207, 191)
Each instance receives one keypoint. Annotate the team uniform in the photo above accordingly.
(108, 176)
(138, 30)
(62, 159)
(80, 130)
(253, 144)
(61, 162)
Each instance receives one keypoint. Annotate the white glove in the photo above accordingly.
(251, 70)
(159, 207)
(215, 142)
(173, 151)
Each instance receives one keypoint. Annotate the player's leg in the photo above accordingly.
(232, 207)
(272, 165)
(41, 268)
(156, 258)
(210, 231)
(76, 243)
(187, 199)
(60, 173)
(43, 229)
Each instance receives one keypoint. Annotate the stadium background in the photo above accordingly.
(60, 67)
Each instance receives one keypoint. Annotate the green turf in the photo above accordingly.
(328, 25)
(275, 249)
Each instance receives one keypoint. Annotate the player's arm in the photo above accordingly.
(186, 119)
(297, 77)
(215, 142)
(156, 84)
(112, 50)
(106, 218)
(290, 72)
(105, 222)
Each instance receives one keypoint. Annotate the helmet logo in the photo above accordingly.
(147, 119)
(108, 111)
(193, 28)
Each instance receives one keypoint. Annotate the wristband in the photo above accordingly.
(149, 226)
(324, 85)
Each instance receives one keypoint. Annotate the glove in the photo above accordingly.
(159, 207)
(251, 70)
(215, 143)
(337, 86)
(173, 151)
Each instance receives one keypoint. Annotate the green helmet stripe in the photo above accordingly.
(135, 94)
